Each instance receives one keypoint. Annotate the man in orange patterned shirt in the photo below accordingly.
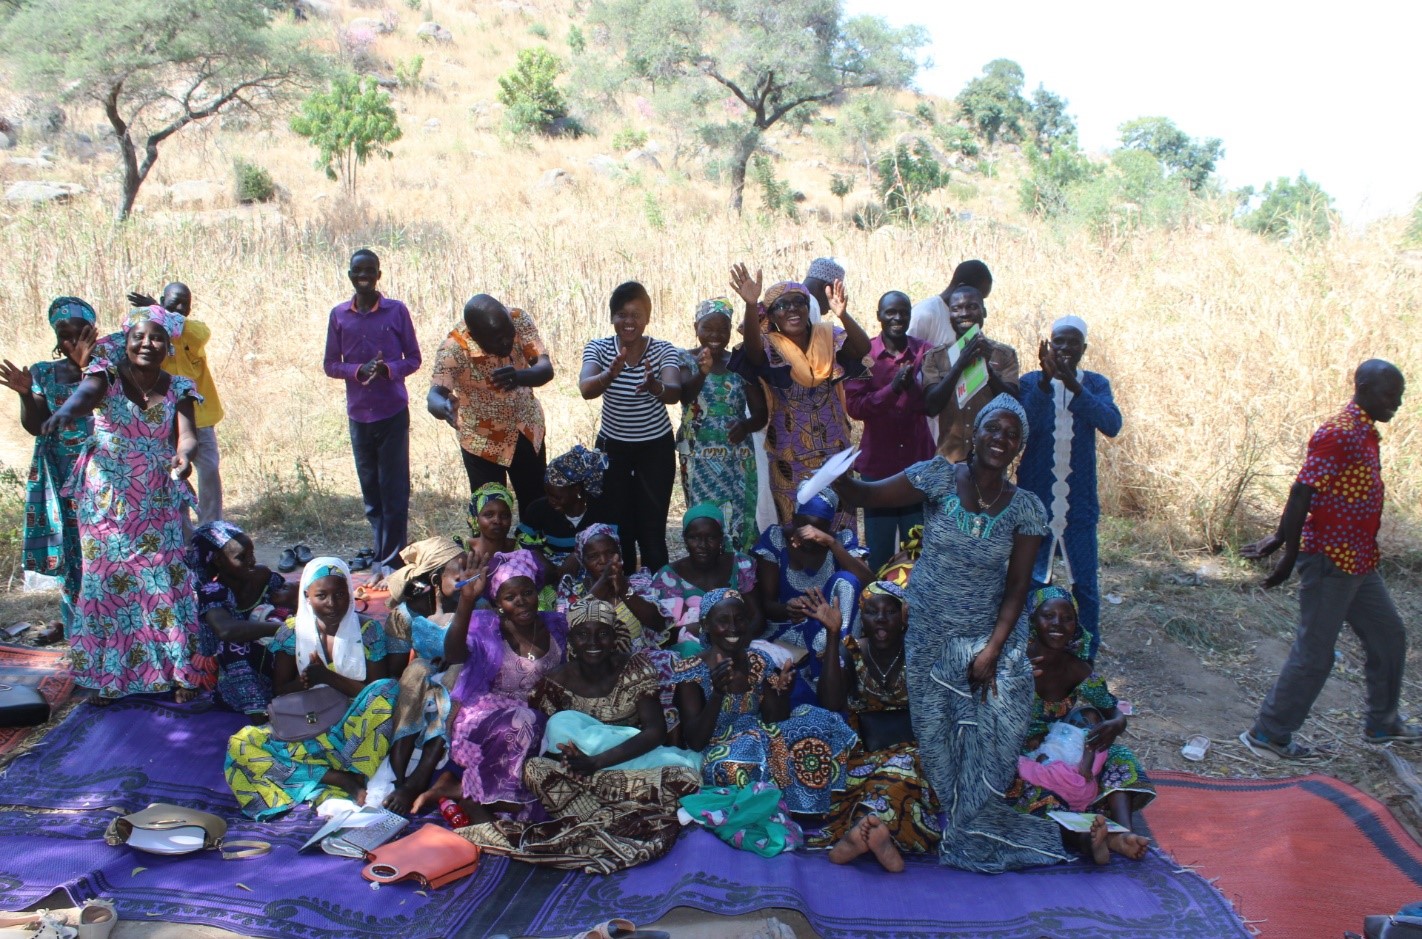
(484, 375)
(1330, 527)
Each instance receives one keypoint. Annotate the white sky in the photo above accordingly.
(1332, 91)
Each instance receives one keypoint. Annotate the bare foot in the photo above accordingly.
(184, 695)
(403, 798)
(1100, 853)
(1128, 844)
(446, 786)
(882, 844)
(854, 843)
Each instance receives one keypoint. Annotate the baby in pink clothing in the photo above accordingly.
(1051, 766)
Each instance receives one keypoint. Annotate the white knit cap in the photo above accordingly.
(1071, 322)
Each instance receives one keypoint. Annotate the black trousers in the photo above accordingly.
(636, 495)
(524, 475)
(382, 459)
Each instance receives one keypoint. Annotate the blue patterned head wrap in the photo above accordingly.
(885, 588)
(1003, 402)
(70, 308)
(713, 597)
(1046, 594)
(578, 467)
(822, 506)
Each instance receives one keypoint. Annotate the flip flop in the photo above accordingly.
(303, 553)
(358, 563)
(287, 563)
(621, 929)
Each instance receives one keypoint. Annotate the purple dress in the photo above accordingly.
(496, 730)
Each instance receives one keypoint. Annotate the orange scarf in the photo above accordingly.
(815, 364)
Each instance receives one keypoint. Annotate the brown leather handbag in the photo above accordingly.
(433, 855)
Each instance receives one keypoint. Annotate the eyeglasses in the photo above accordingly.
(792, 302)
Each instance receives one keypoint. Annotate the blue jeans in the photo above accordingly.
(382, 459)
(885, 528)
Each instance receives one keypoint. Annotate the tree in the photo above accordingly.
(348, 123)
(1050, 122)
(1046, 190)
(155, 66)
(769, 62)
(1291, 209)
(528, 91)
(993, 102)
(1192, 160)
(906, 178)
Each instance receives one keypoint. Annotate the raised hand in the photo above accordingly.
(818, 608)
(15, 378)
(81, 347)
(838, 299)
(748, 288)
(141, 299)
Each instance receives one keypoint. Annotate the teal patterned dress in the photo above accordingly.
(51, 545)
(1122, 772)
(712, 468)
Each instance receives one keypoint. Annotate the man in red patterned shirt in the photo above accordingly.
(1330, 527)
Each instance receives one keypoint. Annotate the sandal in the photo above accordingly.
(621, 929)
(303, 553)
(97, 919)
(358, 563)
(287, 564)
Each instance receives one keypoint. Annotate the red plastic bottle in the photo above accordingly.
(453, 814)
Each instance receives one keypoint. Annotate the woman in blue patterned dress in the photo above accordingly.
(51, 545)
(969, 678)
(735, 709)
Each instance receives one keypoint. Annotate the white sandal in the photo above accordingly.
(52, 927)
(97, 919)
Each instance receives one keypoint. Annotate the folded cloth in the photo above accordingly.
(592, 736)
(752, 818)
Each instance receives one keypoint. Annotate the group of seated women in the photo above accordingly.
(566, 706)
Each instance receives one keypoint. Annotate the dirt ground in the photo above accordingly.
(1190, 641)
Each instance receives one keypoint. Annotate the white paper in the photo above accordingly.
(835, 467)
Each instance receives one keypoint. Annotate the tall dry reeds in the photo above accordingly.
(1224, 350)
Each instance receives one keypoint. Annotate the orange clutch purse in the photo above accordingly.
(433, 855)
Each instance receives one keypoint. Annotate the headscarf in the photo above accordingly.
(1003, 402)
(421, 559)
(70, 308)
(703, 510)
(713, 306)
(1071, 322)
(1047, 594)
(713, 597)
(821, 506)
(208, 541)
(485, 494)
(813, 365)
(578, 467)
(506, 565)
(827, 270)
(347, 649)
(592, 610)
(595, 530)
(884, 588)
(171, 322)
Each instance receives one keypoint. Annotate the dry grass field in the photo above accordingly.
(1224, 350)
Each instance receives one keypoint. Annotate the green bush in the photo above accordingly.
(776, 195)
(1292, 209)
(254, 184)
(629, 139)
(653, 210)
(407, 71)
(577, 42)
(956, 138)
(529, 92)
(906, 177)
(539, 30)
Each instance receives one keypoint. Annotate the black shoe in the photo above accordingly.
(303, 554)
(287, 564)
(359, 563)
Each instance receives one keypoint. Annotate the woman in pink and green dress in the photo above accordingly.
(136, 627)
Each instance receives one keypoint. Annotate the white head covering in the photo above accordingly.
(828, 270)
(347, 650)
(1071, 322)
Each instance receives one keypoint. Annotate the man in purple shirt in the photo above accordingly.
(890, 402)
(370, 343)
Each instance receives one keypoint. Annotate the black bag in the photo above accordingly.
(22, 706)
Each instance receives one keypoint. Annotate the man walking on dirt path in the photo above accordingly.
(1330, 527)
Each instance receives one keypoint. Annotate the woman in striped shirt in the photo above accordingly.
(637, 377)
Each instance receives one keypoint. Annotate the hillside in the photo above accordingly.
(1224, 349)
